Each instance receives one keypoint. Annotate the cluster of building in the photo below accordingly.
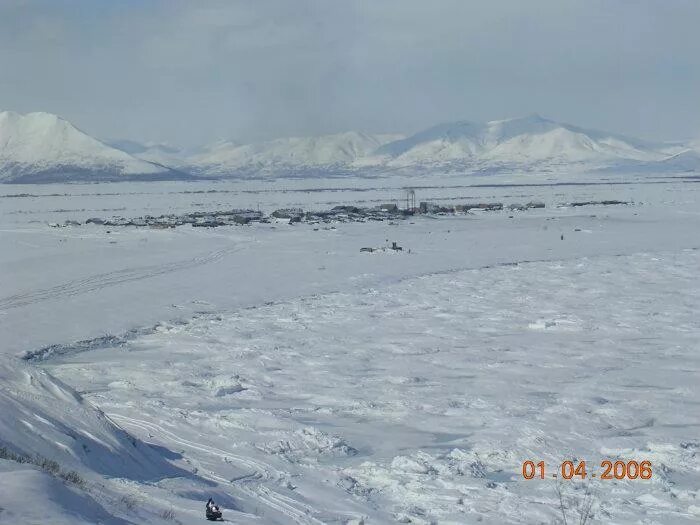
(337, 214)
(197, 219)
(426, 207)
(593, 203)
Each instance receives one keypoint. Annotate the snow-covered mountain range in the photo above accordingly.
(526, 143)
(531, 143)
(40, 147)
(330, 152)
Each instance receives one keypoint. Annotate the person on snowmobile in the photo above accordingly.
(212, 510)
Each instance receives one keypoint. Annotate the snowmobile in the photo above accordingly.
(214, 513)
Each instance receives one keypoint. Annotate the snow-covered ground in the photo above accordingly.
(295, 379)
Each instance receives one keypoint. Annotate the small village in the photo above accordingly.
(337, 214)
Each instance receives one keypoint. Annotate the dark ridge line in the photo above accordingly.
(57, 350)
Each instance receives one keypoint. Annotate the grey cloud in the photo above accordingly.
(193, 71)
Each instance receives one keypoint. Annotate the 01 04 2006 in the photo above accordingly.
(607, 469)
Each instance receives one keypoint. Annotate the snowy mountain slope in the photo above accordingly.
(133, 147)
(40, 147)
(52, 501)
(40, 415)
(326, 151)
(44, 147)
(527, 142)
(686, 161)
(160, 153)
(67, 458)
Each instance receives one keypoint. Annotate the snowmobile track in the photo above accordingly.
(251, 485)
(105, 280)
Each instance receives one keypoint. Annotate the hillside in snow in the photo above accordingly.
(296, 154)
(531, 143)
(160, 153)
(41, 147)
(684, 158)
(516, 144)
(58, 451)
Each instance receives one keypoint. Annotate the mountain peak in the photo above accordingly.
(514, 143)
(34, 117)
(532, 118)
(41, 146)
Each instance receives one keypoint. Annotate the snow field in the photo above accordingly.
(420, 400)
(297, 380)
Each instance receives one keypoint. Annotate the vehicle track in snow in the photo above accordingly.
(251, 485)
(104, 280)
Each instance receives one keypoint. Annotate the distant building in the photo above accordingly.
(288, 213)
(427, 207)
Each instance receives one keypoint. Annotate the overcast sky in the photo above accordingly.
(190, 72)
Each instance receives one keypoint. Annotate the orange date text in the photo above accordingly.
(580, 470)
